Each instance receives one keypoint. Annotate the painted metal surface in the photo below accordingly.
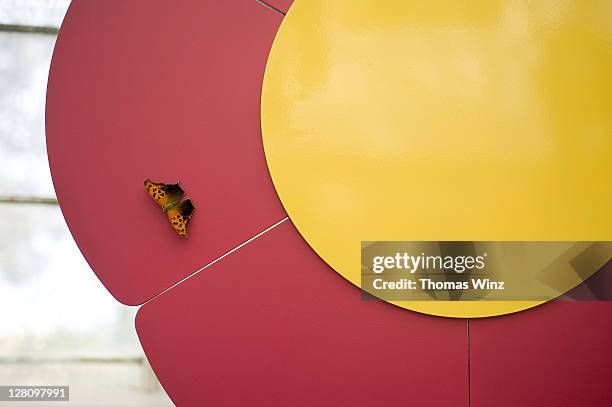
(172, 91)
(272, 325)
(555, 355)
(167, 91)
(441, 121)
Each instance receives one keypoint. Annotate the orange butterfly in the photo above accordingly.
(168, 196)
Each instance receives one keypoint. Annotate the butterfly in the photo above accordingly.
(168, 196)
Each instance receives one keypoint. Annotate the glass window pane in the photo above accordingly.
(51, 303)
(24, 67)
(33, 12)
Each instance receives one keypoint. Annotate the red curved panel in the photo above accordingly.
(555, 355)
(168, 91)
(272, 325)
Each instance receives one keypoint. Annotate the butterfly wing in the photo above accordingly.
(180, 216)
(164, 194)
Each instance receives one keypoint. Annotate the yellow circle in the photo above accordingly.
(440, 121)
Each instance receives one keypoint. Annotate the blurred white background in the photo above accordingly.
(58, 324)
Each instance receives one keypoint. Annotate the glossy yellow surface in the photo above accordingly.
(441, 120)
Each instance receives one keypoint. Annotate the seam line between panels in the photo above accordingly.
(240, 246)
(469, 364)
(270, 7)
